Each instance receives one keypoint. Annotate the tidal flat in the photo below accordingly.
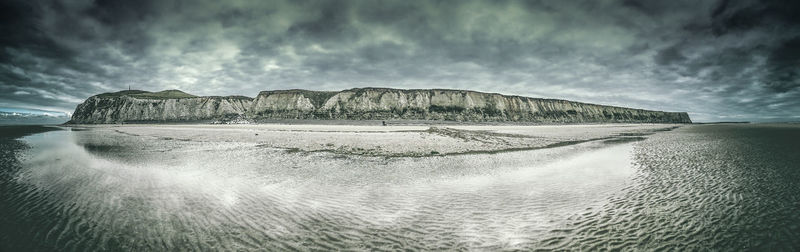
(406, 187)
(396, 140)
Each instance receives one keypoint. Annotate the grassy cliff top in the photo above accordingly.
(296, 91)
(121, 93)
(166, 94)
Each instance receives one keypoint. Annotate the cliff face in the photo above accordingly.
(436, 104)
(363, 104)
(133, 106)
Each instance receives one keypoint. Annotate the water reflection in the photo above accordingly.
(97, 190)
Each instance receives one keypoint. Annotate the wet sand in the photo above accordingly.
(395, 140)
(114, 188)
(207, 187)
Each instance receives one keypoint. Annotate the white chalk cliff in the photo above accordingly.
(355, 104)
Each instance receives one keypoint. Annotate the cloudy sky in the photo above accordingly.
(718, 60)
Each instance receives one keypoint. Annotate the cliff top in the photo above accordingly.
(297, 91)
(313, 92)
(166, 94)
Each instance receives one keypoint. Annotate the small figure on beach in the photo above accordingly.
(384, 123)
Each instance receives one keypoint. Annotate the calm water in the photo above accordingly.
(727, 187)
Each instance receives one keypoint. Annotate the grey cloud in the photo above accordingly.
(670, 55)
(784, 66)
(741, 16)
(713, 59)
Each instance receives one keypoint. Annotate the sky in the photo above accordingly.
(718, 60)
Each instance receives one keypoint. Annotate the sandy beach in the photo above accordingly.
(424, 187)
(396, 140)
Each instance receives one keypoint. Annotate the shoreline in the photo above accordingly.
(392, 140)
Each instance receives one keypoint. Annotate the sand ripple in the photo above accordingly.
(92, 192)
(714, 187)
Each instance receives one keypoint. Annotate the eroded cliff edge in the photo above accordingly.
(356, 104)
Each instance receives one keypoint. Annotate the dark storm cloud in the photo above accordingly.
(727, 60)
(784, 66)
(670, 55)
(780, 21)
